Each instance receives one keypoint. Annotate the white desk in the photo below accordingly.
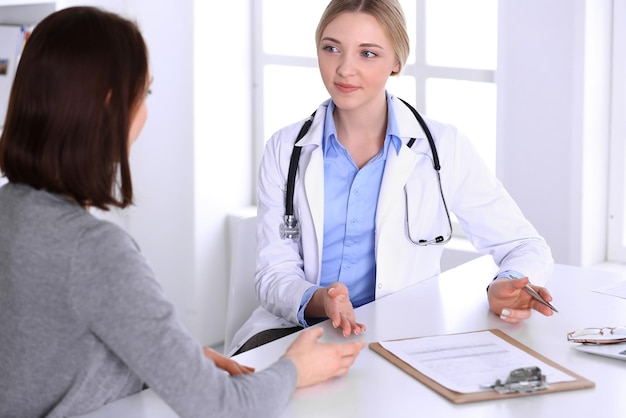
(455, 302)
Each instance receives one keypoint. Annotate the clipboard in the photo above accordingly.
(579, 382)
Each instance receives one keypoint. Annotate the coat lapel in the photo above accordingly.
(399, 166)
(398, 169)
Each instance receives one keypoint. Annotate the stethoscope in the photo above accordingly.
(290, 228)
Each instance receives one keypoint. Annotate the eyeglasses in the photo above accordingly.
(605, 335)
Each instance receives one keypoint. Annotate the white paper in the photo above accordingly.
(465, 363)
(615, 289)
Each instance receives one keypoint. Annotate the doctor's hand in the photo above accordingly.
(230, 366)
(334, 303)
(511, 303)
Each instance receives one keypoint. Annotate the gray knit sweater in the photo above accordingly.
(83, 322)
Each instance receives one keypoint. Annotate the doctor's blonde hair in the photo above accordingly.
(388, 13)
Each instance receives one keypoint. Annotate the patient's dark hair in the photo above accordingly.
(81, 78)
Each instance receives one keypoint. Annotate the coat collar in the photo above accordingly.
(408, 125)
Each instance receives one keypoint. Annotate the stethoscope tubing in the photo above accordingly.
(290, 228)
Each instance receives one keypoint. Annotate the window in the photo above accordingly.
(617, 178)
(449, 76)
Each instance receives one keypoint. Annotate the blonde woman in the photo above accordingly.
(372, 194)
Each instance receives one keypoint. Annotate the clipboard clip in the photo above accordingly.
(522, 380)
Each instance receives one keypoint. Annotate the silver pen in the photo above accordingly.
(532, 292)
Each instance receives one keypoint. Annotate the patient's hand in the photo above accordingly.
(231, 366)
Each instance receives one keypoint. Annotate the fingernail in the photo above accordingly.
(504, 314)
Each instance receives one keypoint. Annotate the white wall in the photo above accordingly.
(223, 148)
(553, 78)
(192, 165)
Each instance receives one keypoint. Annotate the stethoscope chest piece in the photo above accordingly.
(290, 229)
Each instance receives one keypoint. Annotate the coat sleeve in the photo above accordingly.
(490, 217)
(280, 276)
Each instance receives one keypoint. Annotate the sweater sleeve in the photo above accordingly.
(114, 291)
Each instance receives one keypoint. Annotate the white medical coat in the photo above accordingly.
(488, 215)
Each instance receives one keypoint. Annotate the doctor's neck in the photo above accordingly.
(367, 123)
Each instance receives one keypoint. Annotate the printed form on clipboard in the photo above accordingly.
(467, 363)
(466, 367)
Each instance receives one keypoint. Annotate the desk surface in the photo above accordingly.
(454, 302)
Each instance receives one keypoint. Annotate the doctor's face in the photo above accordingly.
(355, 58)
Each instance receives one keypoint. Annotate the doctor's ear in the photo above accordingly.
(396, 69)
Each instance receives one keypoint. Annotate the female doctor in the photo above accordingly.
(369, 212)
